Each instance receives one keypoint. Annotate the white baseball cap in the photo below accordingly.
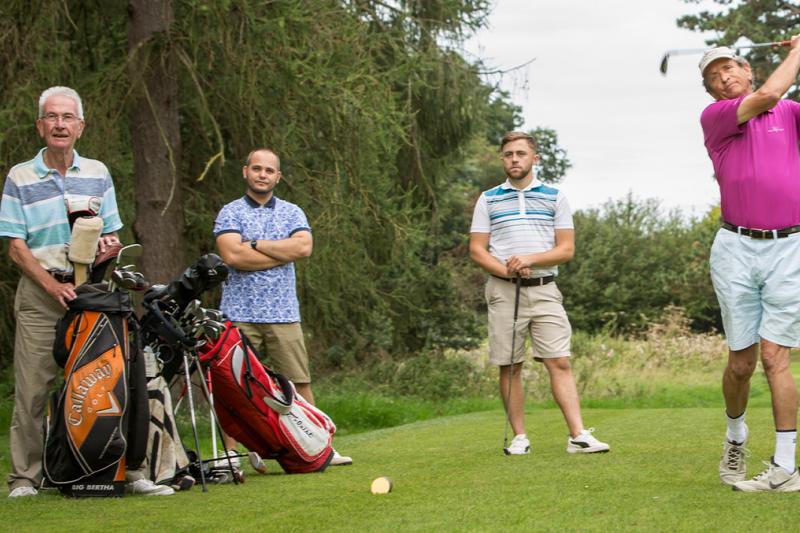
(720, 52)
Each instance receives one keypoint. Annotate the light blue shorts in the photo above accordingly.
(757, 282)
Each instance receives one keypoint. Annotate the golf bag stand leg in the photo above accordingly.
(215, 426)
(188, 377)
(518, 283)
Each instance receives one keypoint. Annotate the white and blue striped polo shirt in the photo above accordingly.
(35, 199)
(522, 221)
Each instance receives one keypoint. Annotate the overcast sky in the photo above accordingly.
(595, 80)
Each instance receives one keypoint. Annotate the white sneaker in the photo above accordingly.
(148, 488)
(23, 491)
(222, 461)
(732, 467)
(520, 445)
(340, 460)
(257, 463)
(586, 443)
(773, 479)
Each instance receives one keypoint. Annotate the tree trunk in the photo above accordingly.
(155, 138)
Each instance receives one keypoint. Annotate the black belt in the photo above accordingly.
(529, 282)
(62, 277)
(761, 233)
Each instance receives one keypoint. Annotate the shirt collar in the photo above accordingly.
(41, 168)
(532, 185)
(255, 205)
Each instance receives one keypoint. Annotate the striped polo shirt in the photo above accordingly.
(522, 221)
(35, 199)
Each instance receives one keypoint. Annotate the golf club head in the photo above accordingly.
(124, 279)
(215, 315)
(131, 251)
(664, 62)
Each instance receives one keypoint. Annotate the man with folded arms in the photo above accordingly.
(751, 137)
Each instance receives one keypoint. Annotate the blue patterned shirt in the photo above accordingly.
(262, 296)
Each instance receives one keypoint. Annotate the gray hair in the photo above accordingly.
(60, 91)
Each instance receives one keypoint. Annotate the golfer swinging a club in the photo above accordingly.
(751, 137)
(521, 230)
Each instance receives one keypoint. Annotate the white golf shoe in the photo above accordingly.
(222, 460)
(732, 466)
(520, 445)
(773, 479)
(147, 488)
(585, 442)
(340, 460)
(21, 492)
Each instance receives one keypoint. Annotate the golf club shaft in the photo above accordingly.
(518, 283)
(188, 378)
(686, 51)
(215, 425)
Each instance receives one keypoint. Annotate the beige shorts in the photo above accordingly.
(281, 346)
(541, 317)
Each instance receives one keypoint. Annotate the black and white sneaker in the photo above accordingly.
(586, 443)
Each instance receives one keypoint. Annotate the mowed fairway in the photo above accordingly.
(450, 474)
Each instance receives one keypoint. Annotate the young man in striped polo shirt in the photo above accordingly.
(523, 229)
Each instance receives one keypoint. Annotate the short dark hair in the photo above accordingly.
(512, 136)
(262, 149)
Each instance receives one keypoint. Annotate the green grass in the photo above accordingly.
(450, 475)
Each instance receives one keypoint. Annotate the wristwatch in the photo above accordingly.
(253, 244)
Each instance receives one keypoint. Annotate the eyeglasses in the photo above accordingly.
(67, 118)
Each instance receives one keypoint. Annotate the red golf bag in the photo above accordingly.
(261, 408)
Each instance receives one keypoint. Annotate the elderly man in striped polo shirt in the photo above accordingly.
(34, 218)
(521, 230)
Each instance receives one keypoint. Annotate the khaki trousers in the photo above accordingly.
(35, 371)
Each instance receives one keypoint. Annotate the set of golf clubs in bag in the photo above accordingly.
(100, 423)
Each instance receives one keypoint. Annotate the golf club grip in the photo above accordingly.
(516, 297)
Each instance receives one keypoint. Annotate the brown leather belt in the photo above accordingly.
(529, 282)
(62, 277)
(761, 233)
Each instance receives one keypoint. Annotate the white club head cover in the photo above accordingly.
(85, 236)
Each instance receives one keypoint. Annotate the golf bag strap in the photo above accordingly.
(176, 333)
(276, 404)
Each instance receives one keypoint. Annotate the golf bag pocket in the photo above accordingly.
(87, 430)
(261, 408)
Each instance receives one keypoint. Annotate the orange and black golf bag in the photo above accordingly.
(99, 418)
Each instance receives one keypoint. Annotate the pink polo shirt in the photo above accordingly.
(757, 164)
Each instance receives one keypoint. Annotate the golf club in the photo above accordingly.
(188, 380)
(689, 51)
(518, 283)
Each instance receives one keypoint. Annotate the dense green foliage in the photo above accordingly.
(367, 104)
(740, 22)
(633, 261)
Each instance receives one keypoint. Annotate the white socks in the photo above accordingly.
(785, 444)
(737, 429)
